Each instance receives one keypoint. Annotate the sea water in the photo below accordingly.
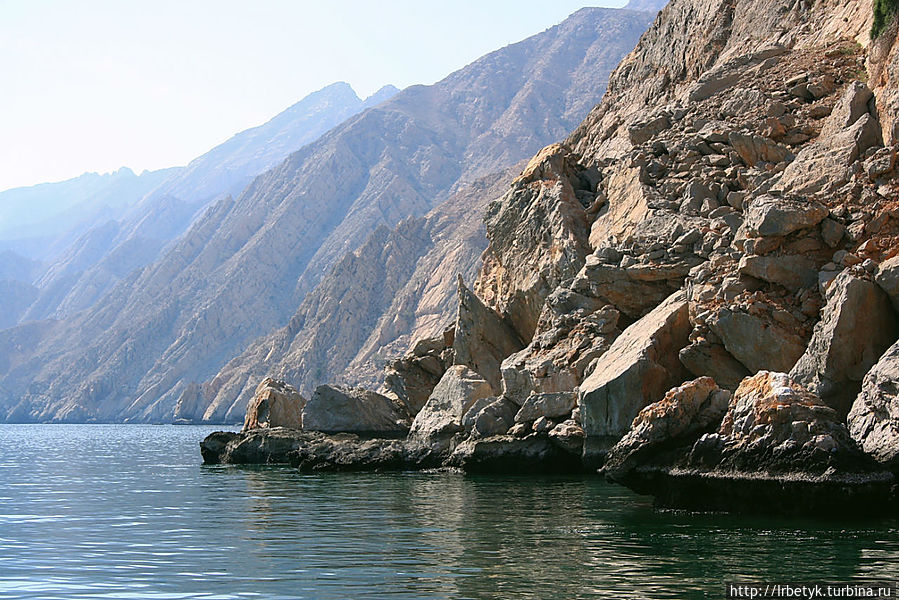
(129, 511)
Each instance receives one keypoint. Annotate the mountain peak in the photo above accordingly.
(646, 5)
(385, 93)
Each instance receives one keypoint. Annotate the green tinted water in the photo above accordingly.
(128, 511)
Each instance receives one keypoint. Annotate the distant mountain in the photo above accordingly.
(247, 264)
(33, 218)
(646, 5)
(91, 262)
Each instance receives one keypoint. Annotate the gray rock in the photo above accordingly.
(340, 409)
(569, 436)
(794, 272)
(769, 216)
(754, 149)
(640, 133)
(705, 358)
(758, 344)
(888, 279)
(874, 418)
(641, 364)
(441, 416)
(551, 406)
(857, 325)
(496, 418)
(483, 339)
(689, 409)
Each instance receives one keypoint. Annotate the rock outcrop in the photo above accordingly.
(636, 370)
(777, 443)
(441, 417)
(874, 418)
(354, 410)
(275, 404)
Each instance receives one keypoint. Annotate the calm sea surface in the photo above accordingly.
(128, 511)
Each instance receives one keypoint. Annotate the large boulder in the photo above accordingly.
(340, 409)
(441, 417)
(888, 279)
(275, 404)
(506, 454)
(779, 448)
(639, 367)
(757, 343)
(483, 339)
(711, 359)
(857, 325)
(770, 216)
(695, 407)
(551, 406)
(874, 418)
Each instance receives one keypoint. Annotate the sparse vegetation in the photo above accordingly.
(884, 11)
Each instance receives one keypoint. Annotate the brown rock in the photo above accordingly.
(275, 404)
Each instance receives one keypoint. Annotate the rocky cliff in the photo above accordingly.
(183, 317)
(697, 289)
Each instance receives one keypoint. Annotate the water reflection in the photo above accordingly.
(84, 521)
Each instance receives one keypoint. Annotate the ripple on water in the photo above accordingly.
(128, 512)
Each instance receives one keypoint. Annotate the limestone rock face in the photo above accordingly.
(689, 409)
(551, 406)
(482, 338)
(874, 418)
(355, 410)
(495, 418)
(705, 358)
(441, 417)
(573, 332)
(857, 325)
(275, 404)
(538, 236)
(640, 366)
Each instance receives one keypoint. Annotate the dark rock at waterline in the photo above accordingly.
(316, 451)
(778, 449)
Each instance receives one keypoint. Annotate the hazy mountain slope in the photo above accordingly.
(398, 286)
(233, 276)
(96, 260)
(33, 218)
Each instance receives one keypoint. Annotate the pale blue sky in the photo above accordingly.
(91, 85)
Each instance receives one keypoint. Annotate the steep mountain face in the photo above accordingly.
(398, 287)
(350, 324)
(86, 267)
(245, 266)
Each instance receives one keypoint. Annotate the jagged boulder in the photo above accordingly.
(275, 404)
(538, 236)
(874, 417)
(356, 410)
(710, 359)
(496, 417)
(857, 325)
(770, 216)
(569, 436)
(412, 378)
(551, 406)
(441, 417)
(695, 407)
(757, 343)
(794, 272)
(888, 279)
(639, 367)
(574, 330)
(482, 339)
